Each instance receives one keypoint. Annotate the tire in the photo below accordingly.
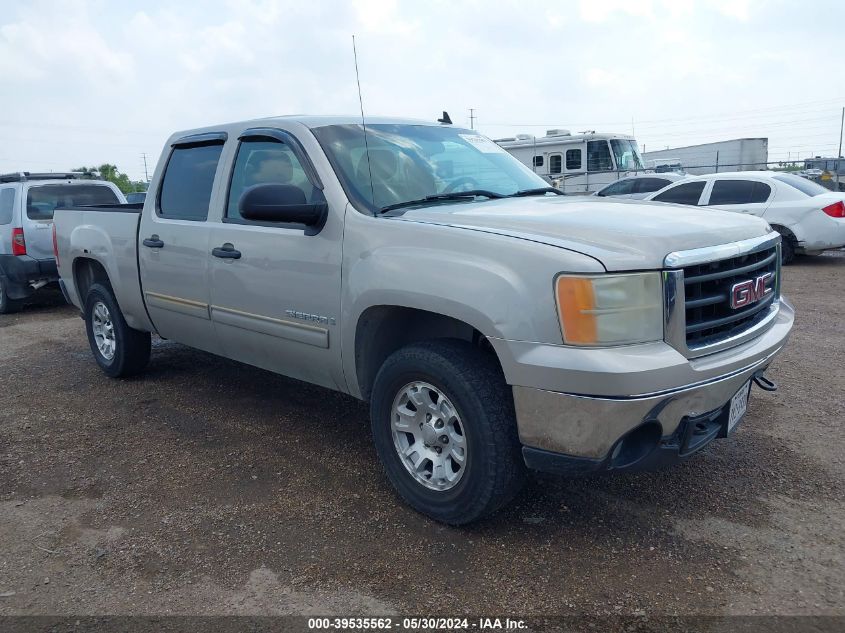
(7, 304)
(787, 248)
(130, 348)
(471, 382)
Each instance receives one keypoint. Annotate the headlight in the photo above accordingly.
(610, 309)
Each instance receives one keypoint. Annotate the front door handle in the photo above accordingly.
(227, 251)
(153, 241)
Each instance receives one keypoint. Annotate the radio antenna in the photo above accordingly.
(363, 122)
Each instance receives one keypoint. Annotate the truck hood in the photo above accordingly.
(622, 235)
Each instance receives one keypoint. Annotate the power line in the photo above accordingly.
(728, 115)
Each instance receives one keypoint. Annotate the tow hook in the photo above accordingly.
(764, 383)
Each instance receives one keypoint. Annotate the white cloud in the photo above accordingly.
(99, 81)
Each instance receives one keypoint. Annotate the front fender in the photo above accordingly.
(500, 285)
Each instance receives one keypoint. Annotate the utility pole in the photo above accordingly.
(472, 118)
(839, 155)
(146, 175)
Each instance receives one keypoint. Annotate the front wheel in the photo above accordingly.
(444, 427)
(118, 349)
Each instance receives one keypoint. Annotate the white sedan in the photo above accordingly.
(639, 186)
(810, 218)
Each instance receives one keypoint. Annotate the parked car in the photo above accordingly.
(136, 197)
(27, 202)
(639, 186)
(492, 324)
(810, 218)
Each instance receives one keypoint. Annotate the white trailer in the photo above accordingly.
(739, 154)
(577, 163)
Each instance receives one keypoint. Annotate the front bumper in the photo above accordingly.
(586, 430)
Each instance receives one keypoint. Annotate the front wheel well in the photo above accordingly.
(382, 330)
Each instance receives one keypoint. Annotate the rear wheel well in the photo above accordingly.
(785, 232)
(86, 273)
(382, 330)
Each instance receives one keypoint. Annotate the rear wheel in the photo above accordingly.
(787, 246)
(445, 431)
(118, 349)
(7, 304)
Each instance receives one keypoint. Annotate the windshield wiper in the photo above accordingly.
(454, 195)
(539, 191)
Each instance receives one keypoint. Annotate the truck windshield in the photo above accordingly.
(414, 162)
(42, 200)
(627, 154)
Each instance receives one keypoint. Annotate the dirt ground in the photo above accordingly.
(209, 487)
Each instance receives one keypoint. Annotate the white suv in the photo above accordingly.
(810, 218)
(27, 202)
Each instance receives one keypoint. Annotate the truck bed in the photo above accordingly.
(107, 235)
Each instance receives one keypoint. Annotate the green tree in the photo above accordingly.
(110, 172)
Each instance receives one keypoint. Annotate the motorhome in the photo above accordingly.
(577, 163)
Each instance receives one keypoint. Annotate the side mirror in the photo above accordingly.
(281, 203)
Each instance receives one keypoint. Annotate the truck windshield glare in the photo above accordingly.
(415, 162)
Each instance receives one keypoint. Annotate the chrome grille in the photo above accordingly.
(697, 286)
(707, 288)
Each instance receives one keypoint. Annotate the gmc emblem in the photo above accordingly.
(751, 291)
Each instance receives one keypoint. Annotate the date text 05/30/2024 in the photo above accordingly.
(416, 624)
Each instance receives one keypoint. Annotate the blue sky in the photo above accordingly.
(91, 81)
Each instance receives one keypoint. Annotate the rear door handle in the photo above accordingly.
(153, 242)
(227, 251)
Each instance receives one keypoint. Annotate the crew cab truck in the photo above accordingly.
(27, 202)
(493, 325)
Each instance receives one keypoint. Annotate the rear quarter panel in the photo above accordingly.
(109, 238)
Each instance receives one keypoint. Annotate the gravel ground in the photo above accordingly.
(209, 487)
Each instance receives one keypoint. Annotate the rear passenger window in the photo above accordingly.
(43, 200)
(739, 192)
(264, 161)
(7, 204)
(573, 159)
(188, 179)
(687, 193)
(555, 164)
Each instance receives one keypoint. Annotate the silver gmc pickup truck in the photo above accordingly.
(492, 324)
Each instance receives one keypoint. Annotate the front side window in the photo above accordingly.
(598, 156)
(627, 154)
(538, 161)
(264, 161)
(573, 159)
(43, 200)
(648, 185)
(687, 193)
(188, 180)
(403, 163)
(620, 188)
(7, 204)
(555, 164)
